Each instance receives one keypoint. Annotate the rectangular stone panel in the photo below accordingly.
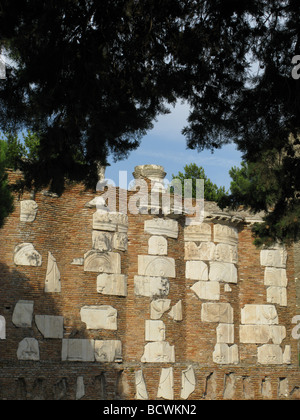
(217, 312)
(226, 234)
(151, 286)
(205, 251)
(207, 290)
(108, 351)
(99, 317)
(259, 315)
(112, 284)
(156, 266)
(223, 272)
(78, 350)
(198, 233)
(196, 270)
(50, 326)
(163, 227)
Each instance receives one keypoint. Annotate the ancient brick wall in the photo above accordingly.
(100, 306)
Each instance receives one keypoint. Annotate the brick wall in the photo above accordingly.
(63, 226)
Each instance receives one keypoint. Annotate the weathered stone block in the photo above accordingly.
(225, 334)
(26, 255)
(207, 290)
(226, 253)
(272, 354)
(275, 277)
(226, 234)
(188, 382)
(140, 385)
(277, 295)
(52, 281)
(166, 384)
(99, 317)
(217, 312)
(262, 334)
(22, 315)
(102, 241)
(273, 258)
(155, 330)
(203, 252)
(196, 270)
(259, 315)
(2, 328)
(97, 262)
(112, 284)
(28, 211)
(78, 350)
(198, 233)
(156, 266)
(28, 350)
(151, 286)
(224, 272)
(108, 351)
(176, 312)
(163, 227)
(159, 307)
(157, 245)
(226, 355)
(158, 352)
(50, 326)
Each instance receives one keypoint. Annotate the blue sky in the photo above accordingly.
(165, 145)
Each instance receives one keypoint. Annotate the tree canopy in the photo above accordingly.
(90, 78)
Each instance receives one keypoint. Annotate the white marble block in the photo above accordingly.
(275, 277)
(162, 227)
(80, 390)
(140, 386)
(26, 255)
(120, 241)
(226, 253)
(110, 221)
(277, 295)
(78, 350)
(2, 328)
(217, 312)
(272, 354)
(28, 211)
(108, 351)
(112, 284)
(97, 262)
(159, 307)
(166, 384)
(203, 252)
(28, 350)
(22, 315)
(225, 334)
(158, 352)
(157, 245)
(224, 272)
(151, 286)
(102, 241)
(226, 234)
(207, 290)
(154, 266)
(155, 331)
(226, 355)
(188, 382)
(262, 334)
(259, 315)
(176, 312)
(196, 270)
(198, 233)
(50, 326)
(273, 258)
(52, 281)
(99, 317)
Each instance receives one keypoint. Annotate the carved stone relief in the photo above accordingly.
(272, 354)
(223, 272)
(97, 262)
(273, 258)
(112, 284)
(207, 290)
(52, 281)
(225, 234)
(78, 350)
(262, 334)
(110, 221)
(198, 233)
(166, 384)
(277, 295)
(259, 315)
(188, 382)
(162, 227)
(204, 252)
(151, 286)
(275, 277)
(102, 241)
(99, 317)
(108, 351)
(155, 331)
(226, 355)
(159, 307)
(28, 350)
(156, 266)
(158, 352)
(225, 334)
(140, 385)
(28, 211)
(22, 315)
(226, 253)
(25, 254)
(176, 312)
(157, 245)
(217, 312)
(196, 270)
(120, 241)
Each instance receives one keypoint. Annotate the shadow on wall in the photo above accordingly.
(31, 348)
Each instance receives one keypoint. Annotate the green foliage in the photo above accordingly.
(6, 197)
(211, 191)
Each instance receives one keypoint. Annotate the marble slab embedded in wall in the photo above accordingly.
(28, 211)
(163, 227)
(26, 255)
(98, 262)
(156, 266)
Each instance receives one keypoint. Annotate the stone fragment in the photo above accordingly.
(259, 315)
(275, 277)
(22, 315)
(2, 328)
(203, 252)
(154, 266)
(273, 258)
(99, 317)
(155, 331)
(262, 334)
(78, 261)
(226, 355)
(162, 227)
(28, 350)
(223, 272)
(277, 295)
(50, 326)
(196, 270)
(26, 255)
(120, 241)
(102, 241)
(198, 233)
(108, 351)
(78, 350)
(158, 352)
(151, 286)
(207, 290)
(188, 382)
(225, 334)
(80, 390)
(52, 281)
(112, 284)
(28, 211)
(97, 262)
(166, 384)
(110, 221)
(226, 253)
(176, 312)
(159, 307)
(157, 245)
(272, 354)
(217, 312)
(140, 386)
(226, 234)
